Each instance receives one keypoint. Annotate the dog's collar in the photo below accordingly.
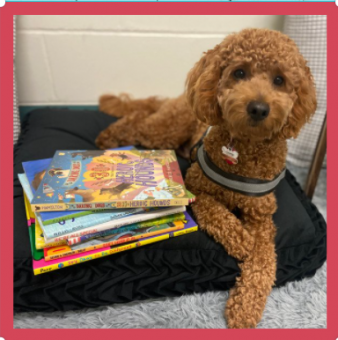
(244, 185)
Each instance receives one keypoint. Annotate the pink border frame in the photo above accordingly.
(6, 157)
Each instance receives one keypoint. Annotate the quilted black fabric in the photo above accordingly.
(182, 265)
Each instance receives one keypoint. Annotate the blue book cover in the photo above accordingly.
(35, 171)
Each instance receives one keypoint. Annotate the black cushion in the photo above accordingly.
(185, 264)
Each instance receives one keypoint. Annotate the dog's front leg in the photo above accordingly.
(247, 299)
(224, 226)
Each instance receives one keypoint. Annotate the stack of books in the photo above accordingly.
(85, 204)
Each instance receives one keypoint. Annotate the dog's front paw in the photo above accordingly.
(243, 309)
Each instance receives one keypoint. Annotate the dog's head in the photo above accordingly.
(256, 83)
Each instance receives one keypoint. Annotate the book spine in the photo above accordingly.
(27, 193)
(118, 223)
(68, 217)
(183, 232)
(74, 240)
(163, 203)
(114, 250)
(150, 223)
(27, 210)
(42, 245)
(40, 241)
(178, 226)
(56, 230)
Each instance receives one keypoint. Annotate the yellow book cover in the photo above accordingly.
(29, 212)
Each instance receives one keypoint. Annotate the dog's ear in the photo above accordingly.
(201, 87)
(304, 106)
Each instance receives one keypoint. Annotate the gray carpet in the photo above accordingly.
(297, 305)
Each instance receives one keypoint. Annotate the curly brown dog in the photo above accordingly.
(256, 90)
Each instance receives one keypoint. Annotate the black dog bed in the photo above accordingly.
(182, 265)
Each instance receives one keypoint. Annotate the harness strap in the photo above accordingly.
(243, 185)
(198, 144)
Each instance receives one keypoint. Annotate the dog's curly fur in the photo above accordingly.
(214, 96)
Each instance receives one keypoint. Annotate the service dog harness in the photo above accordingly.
(244, 185)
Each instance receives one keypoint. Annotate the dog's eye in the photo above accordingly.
(278, 81)
(239, 74)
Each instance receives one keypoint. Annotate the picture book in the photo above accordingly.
(40, 242)
(111, 240)
(29, 213)
(153, 216)
(110, 179)
(131, 227)
(65, 227)
(36, 254)
(136, 218)
(83, 222)
(36, 233)
(35, 171)
(41, 266)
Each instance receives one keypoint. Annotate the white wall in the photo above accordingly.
(74, 59)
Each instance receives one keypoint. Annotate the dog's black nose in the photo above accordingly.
(258, 110)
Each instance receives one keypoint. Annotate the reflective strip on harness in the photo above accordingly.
(243, 185)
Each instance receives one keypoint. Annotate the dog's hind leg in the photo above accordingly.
(247, 299)
(213, 217)
(168, 128)
(119, 106)
(123, 132)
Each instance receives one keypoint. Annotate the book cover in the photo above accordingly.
(35, 171)
(42, 266)
(36, 233)
(110, 179)
(148, 215)
(131, 227)
(119, 237)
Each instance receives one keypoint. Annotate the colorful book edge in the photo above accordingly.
(130, 227)
(119, 238)
(42, 266)
(120, 223)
